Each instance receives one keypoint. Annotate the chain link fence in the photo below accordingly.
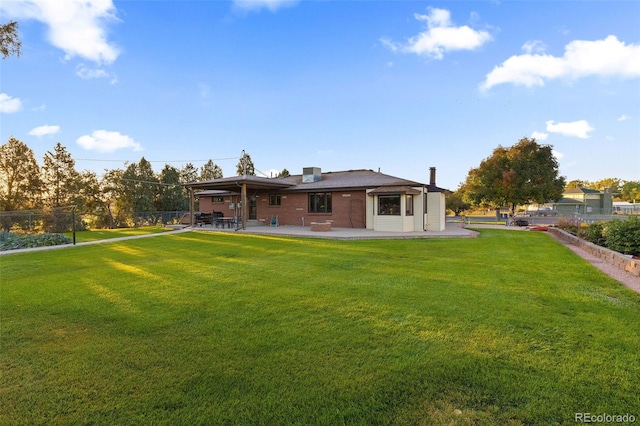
(67, 219)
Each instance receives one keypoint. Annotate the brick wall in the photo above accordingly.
(348, 208)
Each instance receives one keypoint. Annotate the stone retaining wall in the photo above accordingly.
(621, 261)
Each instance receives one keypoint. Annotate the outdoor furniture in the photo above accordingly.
(321, 226)
(274, 221)
(203, 218)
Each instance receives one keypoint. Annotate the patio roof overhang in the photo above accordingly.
(388, 190)
(233, 184)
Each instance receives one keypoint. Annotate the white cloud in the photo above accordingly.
(579, 129)
(440, 36)
(272, 5)
(44, 130)
(78, 27)
(607, 57)
(540, 136)
(9, 105)
(105, 141)
(624, 117)
(557, 154)
(87, 73)
(534, 46)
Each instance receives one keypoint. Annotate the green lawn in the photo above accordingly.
(105, 234)
(213, 328)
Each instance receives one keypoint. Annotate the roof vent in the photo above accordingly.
(311, 174)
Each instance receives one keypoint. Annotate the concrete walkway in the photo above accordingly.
(452, 230)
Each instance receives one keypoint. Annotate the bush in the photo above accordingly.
(593, 233)
(568, 226)
(10, 241)
(623, 236)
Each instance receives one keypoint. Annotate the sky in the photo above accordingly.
(394, 86)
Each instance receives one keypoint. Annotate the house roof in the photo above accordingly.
(568, 201)
(345, 180)
(581, 191)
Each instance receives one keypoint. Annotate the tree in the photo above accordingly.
(60, 178)
(455, 202)
(284, 173)
(9, 40)
(245, 165)
(19, 178)
(518, 175)
(113, 197)
(630, 191)
(171, 194)
(140, 187)
(188, 173)
(613, 183)
(577, 183)
(61, 189)
(210, 171)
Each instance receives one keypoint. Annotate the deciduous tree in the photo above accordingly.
(10, 43)
(630, 191)
(521, 174)
(456, 203)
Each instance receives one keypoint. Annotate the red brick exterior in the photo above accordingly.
(348, 208)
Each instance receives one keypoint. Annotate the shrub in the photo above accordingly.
(593, 233)
(568, 226)
(11, 241)
(623, 236)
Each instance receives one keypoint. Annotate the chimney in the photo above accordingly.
(432, 176)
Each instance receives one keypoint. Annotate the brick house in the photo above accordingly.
(348, 199)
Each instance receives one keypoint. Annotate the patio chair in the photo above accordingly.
(274, 221)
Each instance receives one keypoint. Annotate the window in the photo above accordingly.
(217, 199)
(409, 207)
(320, 202)
(275, 199)
(389, 205)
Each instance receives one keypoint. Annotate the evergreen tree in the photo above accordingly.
(60, 178)
(20, 183)
(172, 196)
(245, 165)
(210, 171)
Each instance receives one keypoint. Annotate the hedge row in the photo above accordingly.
(622, 236)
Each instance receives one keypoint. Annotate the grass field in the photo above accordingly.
(106, 234)
(211, 328)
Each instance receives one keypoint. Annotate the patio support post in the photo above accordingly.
(244, 205)
(191, 205)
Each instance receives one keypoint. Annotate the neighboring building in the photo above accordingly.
(350, 199)
(625, 207)
(583, 201)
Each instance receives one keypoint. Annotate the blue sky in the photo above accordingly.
(398, 86)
